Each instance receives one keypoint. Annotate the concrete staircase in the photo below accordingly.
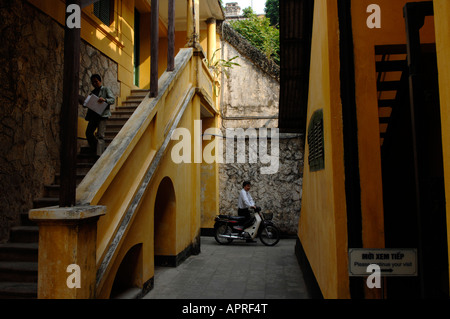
(19, 256)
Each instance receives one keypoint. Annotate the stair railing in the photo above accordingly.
(114, 187)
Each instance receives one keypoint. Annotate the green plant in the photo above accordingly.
(219, 66)
(272, 10)
(259, 32)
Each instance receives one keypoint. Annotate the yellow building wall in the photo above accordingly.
(442, 29)
(209, 178)
(322, 225)
(115, 41)
(365, 39)
(210, 172)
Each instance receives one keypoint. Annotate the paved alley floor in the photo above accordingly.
(239, 270)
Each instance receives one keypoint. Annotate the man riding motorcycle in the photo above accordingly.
(246, 202)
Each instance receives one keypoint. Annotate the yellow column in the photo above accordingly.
(211, 23)
(442, 30)
(67, 251)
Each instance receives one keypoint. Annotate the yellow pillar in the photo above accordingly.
(67, 251)
(442, 30)
(211, 23)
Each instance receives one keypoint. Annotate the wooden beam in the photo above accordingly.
(69, 113)
(387, 103)
(85, 3)
(388, 86)
(154, 33)
(171, 37)
(391, 66)
(296, 22)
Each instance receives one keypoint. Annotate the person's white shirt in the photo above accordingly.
(245, 200)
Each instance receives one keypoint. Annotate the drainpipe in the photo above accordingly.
(69, 113)
(171, 37)
(193, 22)
(154, 34)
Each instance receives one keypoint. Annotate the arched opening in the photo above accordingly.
(165, 223)
(129, 275)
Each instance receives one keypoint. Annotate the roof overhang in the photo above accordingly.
(208, 9)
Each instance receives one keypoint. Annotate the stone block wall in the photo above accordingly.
(31, 63)
(31, 75)
(92, 62)
(278, 193)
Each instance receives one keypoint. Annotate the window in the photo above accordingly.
(316, 158)
(102, 10)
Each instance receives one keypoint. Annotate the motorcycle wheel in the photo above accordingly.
(223, 230)
(270, 235)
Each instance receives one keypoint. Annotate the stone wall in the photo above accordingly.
(250, 99)
(92, 62)
(31, 73)
(31, 62)
(250, 94)
(278, 193)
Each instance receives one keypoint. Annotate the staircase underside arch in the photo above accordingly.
(165, 221)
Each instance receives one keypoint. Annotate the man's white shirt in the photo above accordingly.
(245, 199)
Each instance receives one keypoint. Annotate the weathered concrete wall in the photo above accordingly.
(31, 73)
(250, 94)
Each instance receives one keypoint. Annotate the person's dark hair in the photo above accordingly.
(246, 183)
(96, 76)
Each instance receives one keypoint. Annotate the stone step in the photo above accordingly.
(113, 127)
(19, 252)
(134, 104)
(116, 121)
(121, 114)
(45, 202)
(111, 134)
(85, 157)
(51, 190)
(18, 271)
(138, 94)
(83, 168)
(24, 234)
(134, 98)
(109, 138)
(18, 290)
(139, 91)
(125, 108)
(25, 221)
(79, 178)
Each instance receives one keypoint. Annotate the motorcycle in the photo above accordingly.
(228, 227)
